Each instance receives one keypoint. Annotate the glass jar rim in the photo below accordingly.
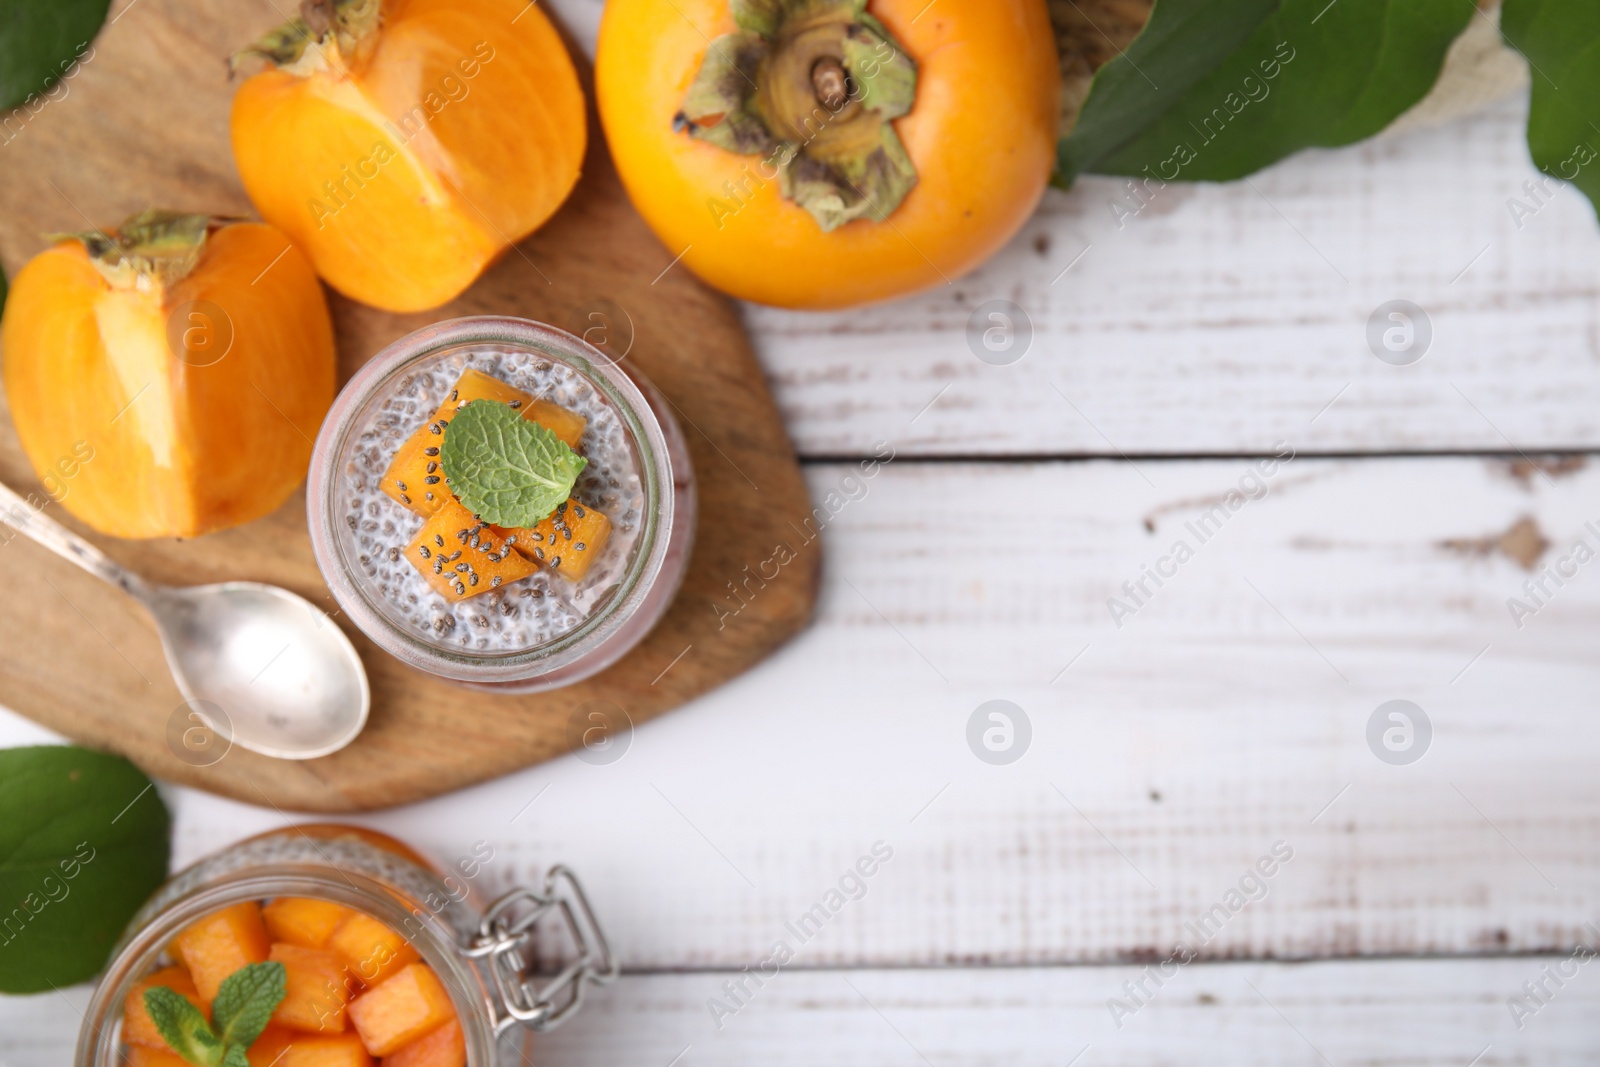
(644, 432)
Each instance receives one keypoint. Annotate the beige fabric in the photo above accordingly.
(1478, 70)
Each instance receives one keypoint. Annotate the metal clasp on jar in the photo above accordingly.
(506, 941)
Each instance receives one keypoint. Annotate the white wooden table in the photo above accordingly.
(1226, 714)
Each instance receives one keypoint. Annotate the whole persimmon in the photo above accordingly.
(167, 377)
(825, 153)
(406, 144)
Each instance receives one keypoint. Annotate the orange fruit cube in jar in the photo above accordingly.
(402, 1009)
(568, 541)
(266, 1049)
(331, 1050)
(417, 460)
(303, 921)
(316, 989)
(371, 950)
(444, 1047)
(476, 385)
(221, 943)
(460, 557)
(142, 1056)
(137, 1026)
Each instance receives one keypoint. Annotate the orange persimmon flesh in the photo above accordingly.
(144, 443)
(267, 1049)
(221, 943)
(403, 1008)
(981, 135)
(316, 989)
(568, 541)
(144, 1056)
(408, 166)
(303, 921)
(458, 567)
(371, 950)
(444, 1047)
(137, 1026)
(417, 460)
(307, 1050)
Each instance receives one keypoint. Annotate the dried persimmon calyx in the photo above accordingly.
(813, 87)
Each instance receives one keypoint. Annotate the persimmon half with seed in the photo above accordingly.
(405, 145)
(825, 153)
(180, 365)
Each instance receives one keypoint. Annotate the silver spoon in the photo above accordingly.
(276, 675)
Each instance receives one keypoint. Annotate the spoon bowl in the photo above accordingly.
(286, 680)
(262, 667)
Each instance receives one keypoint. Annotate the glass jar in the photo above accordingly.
(510, 639)
(487, 957)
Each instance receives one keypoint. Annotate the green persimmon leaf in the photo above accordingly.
(509, 470)
(1309, 73)
(1561, 39)
(182, 1027)
(1339, 73)
(1184, 41)
(246, 1000)
(39, 42)
(83, 843)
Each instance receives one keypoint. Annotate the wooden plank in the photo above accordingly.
(424, 736)
(1228, 714)
(1394, 1012)
(1222, 318)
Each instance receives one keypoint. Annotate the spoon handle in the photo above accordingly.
(23, 516)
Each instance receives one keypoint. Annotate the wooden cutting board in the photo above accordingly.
(144, 123)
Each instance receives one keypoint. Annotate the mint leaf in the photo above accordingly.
(507, 469)
(246, 1000)
(236, 1056)
(183, 1027)
(1561, 39)
(83, 842)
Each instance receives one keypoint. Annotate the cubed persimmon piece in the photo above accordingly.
(444, 1047)
(476, 385)
(266, 1050)
(461, 557)
(568, 542)
(414, 463)
(417, 459)
(137, 1027)
(405, 1007)
(142, 1056)
(316, 989)
(371, 950)
(324, 1050)
(303, 921)
(221, 943)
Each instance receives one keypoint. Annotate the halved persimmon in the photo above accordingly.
(406, 144)
(167, 378)
(824, 153)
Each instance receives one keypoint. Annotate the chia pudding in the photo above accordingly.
(515, 608)
(516, 616)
